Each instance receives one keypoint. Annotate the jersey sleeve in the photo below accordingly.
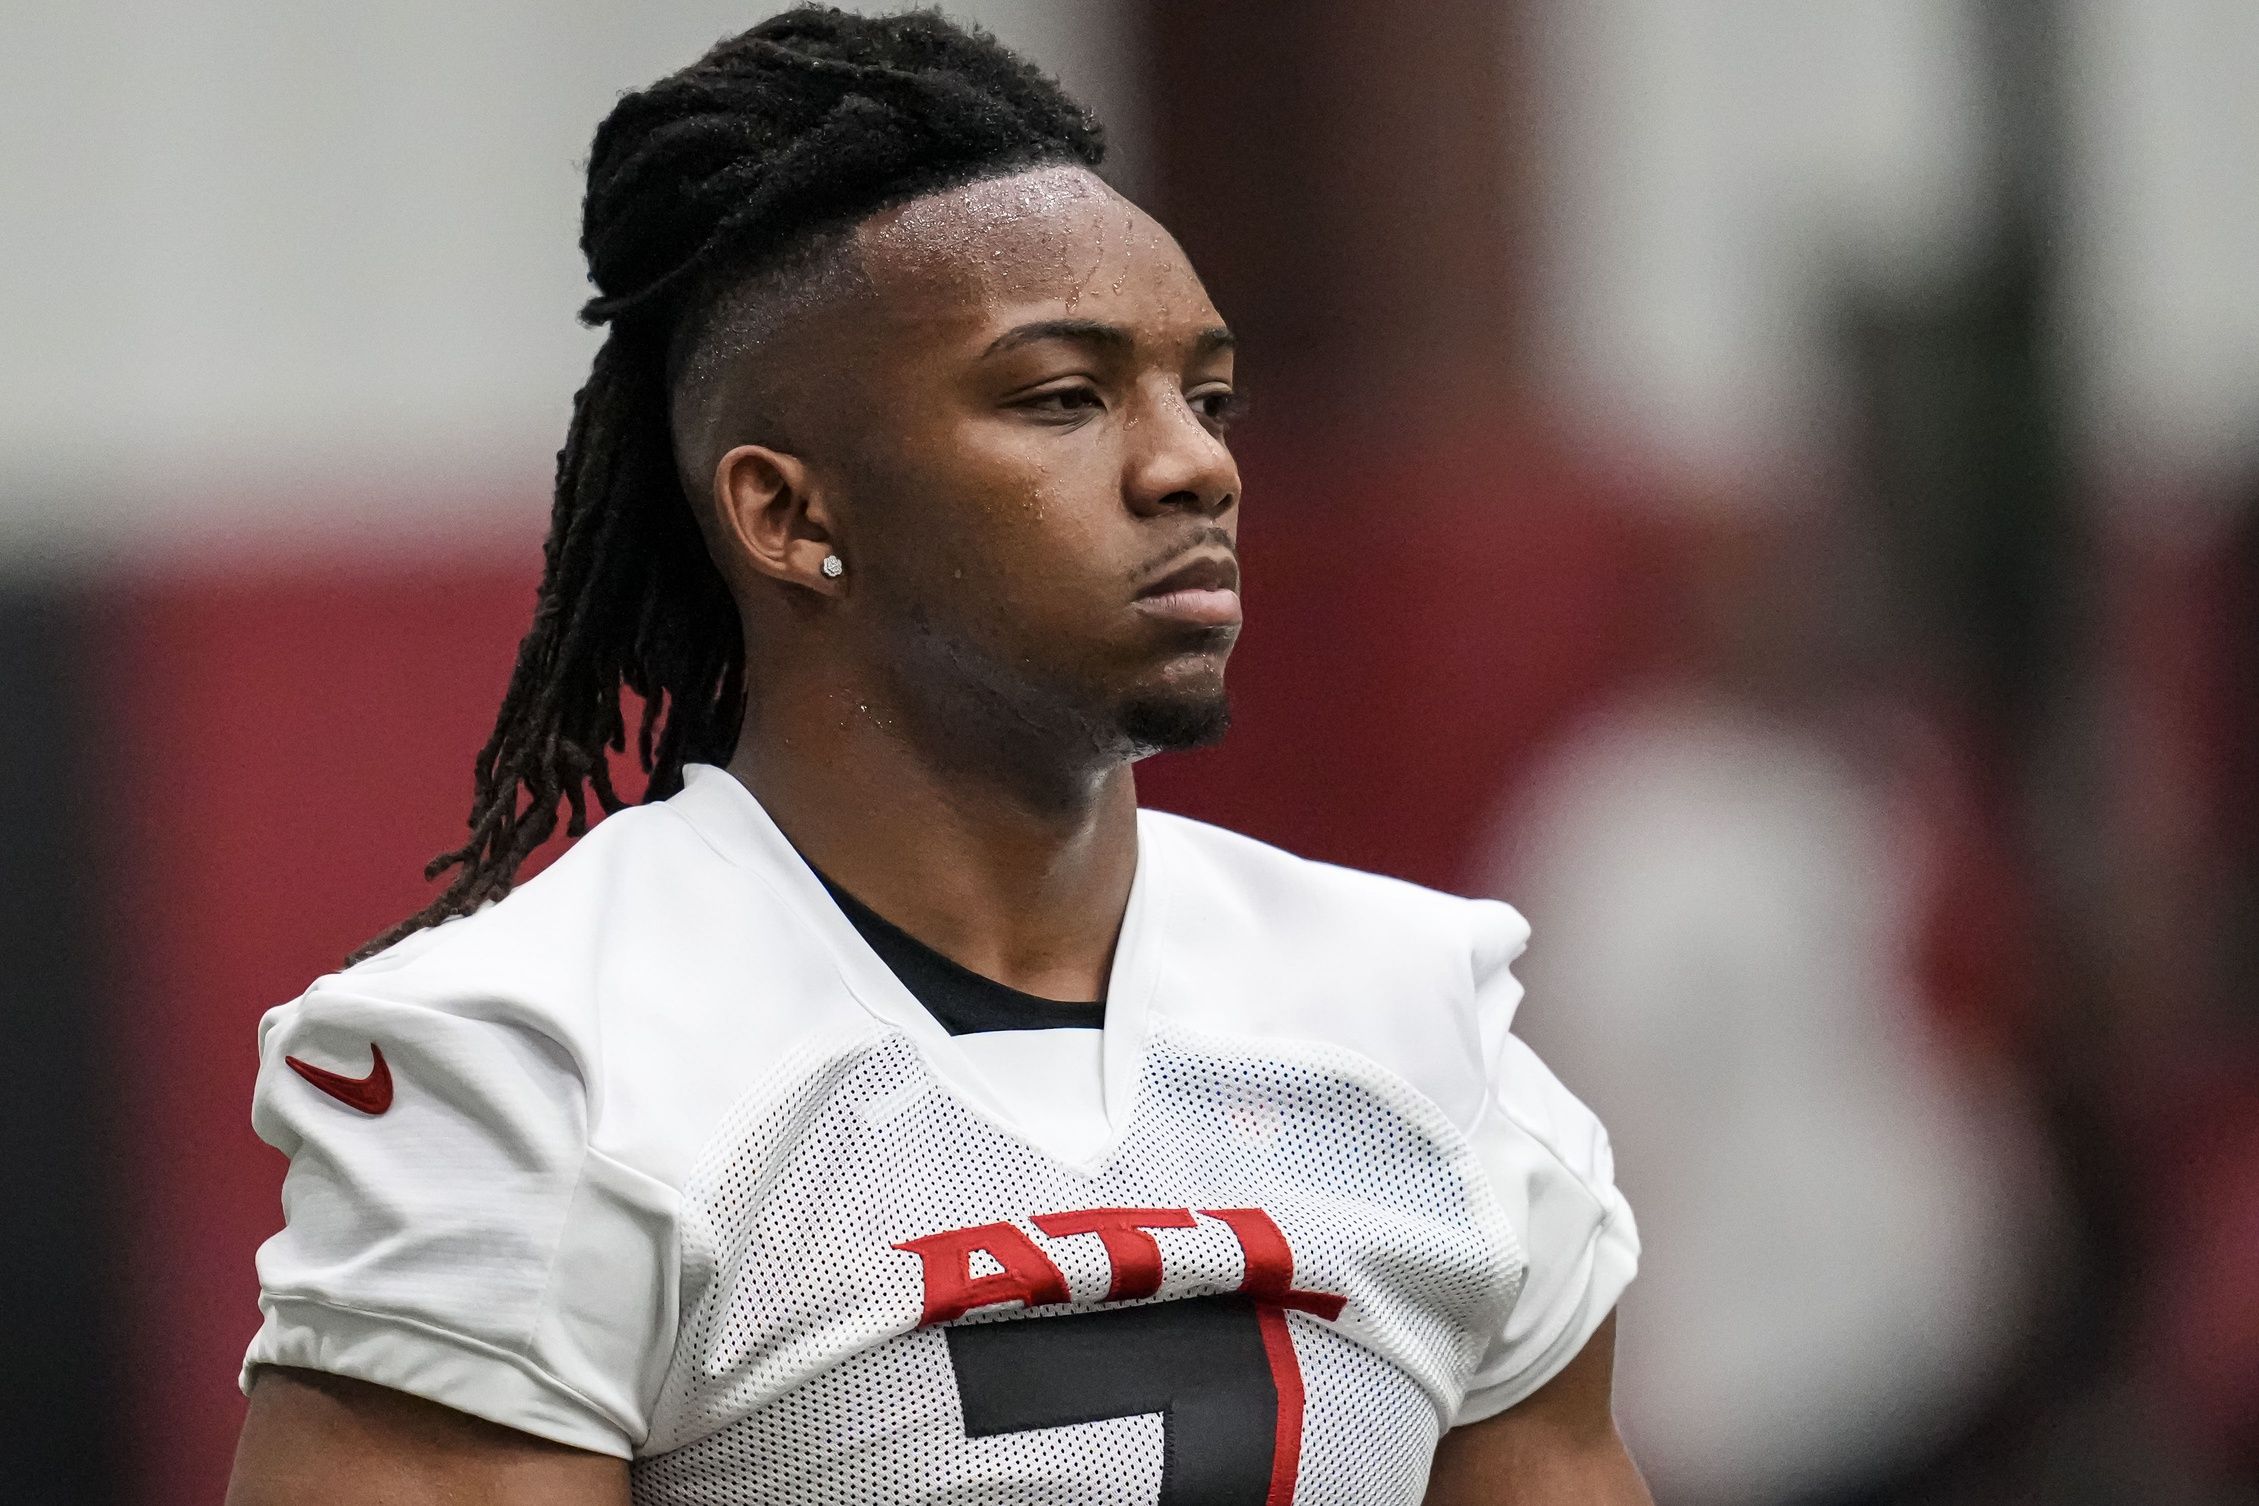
(1548, 1161)
(456, 1236)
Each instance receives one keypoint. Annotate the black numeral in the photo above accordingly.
(1220, 1371)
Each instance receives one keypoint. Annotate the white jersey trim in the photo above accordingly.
(484, 1380)
(1604, 1269)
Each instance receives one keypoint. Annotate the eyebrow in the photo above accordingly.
(1097, 332)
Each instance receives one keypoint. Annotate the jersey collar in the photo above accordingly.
(736, 825)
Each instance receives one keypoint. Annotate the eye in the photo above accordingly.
(1063, 402)
(1218, 406)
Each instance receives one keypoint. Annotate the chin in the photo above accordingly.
(1174, 722)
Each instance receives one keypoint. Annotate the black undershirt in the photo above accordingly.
(962, 1000)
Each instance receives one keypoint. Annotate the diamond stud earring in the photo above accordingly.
(834, 566)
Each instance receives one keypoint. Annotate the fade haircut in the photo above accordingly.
(742, 171)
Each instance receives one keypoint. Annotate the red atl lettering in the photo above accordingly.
(1134, 1254)
(1270, 1263)
(952, 1290)
(1029, 1278)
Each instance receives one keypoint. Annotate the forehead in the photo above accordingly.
(1054, 239)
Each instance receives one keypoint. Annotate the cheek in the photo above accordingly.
(1046, 581)
(1037, 543)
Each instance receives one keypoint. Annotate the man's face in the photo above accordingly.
(1031, 481)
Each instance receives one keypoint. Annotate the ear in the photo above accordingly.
(773, 517)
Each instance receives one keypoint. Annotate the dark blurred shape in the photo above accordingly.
(2239, 779)
(1965, 443)
(1342, 173)
(58, 1288)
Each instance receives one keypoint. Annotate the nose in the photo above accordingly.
(1176, 463)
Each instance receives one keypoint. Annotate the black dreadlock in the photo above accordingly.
(798, 129)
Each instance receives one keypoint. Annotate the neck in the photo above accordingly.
(1019, 872)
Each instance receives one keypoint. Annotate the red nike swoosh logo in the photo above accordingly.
(371, 1094)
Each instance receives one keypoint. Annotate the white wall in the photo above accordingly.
(269, 267)
(1711, 165)
(1714, 164)
(2164, 297)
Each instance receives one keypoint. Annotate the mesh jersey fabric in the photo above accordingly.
(676, 1169)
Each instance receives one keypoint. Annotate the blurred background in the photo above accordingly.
(1767, 487)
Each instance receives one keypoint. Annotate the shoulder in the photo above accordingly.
(548, 957)
(504, 1168)
(1416, 978)
(546, 939)
(1291, 892)
(1420, 983)
(652, 963)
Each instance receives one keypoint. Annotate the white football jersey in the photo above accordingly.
(656, 1157)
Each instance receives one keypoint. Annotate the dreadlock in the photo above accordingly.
(795, 130)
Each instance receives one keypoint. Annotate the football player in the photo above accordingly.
(885, 1109)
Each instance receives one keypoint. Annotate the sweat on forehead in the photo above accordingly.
(1052, 233)
(1046, 215)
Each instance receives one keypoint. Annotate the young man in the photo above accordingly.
(888, 1110)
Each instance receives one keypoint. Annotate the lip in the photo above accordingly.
(1201, 592)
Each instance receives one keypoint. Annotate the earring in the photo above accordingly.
(834, 567)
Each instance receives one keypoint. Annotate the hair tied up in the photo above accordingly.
(809, 122)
